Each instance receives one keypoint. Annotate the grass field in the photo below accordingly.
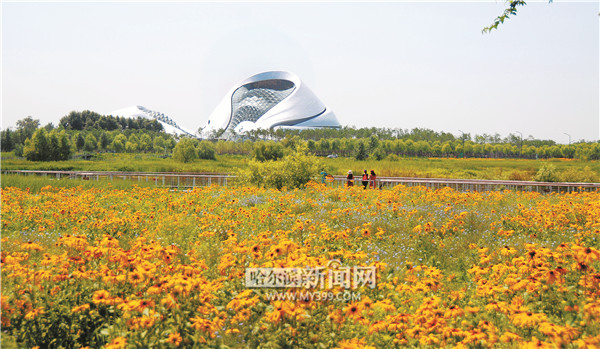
(153, 268)
(513, 169)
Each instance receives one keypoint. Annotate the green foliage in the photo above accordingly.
(185, 150)
(267, 150)
(88, 120)
(44, 146)
(91, 143)
(378, 153)
(7, 140)
(118, 143)
(392, 157)
(206, 150)
(292, 171)
(511, 10)
(547, 173)
(361, 151)
(585, 175)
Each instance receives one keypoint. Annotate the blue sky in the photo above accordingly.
(382, 64)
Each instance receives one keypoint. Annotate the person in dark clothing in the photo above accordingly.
(350, 178)
(365, 179)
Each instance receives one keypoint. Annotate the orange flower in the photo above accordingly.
(528, 319)
(80, 308)
(174, 338)
(101, 297)
(117, 343)
(586, 254)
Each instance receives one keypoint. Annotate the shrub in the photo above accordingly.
(393, 157)
(291, 171)
(517, 175)
(547, 173)
(587, 175)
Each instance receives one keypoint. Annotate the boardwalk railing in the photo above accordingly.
(189, 180)
(473, 184)
(159, 179)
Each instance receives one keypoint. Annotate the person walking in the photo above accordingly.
(373, 180)
(365, 179)
(350, 179)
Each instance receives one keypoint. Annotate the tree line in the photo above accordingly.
(89, 132)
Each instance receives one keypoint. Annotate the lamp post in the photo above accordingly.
(569, 146)
(520, 144)
(462, 137)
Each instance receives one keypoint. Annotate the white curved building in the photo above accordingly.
(269, 100)
(167, 123)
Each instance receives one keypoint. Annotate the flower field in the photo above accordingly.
(153, 268)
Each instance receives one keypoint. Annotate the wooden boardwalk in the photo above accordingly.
(190, 180)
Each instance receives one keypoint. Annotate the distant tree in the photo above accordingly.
(64, 144)
(131, 147)
(145, 142)
(361, 151)
(446, 148)
(26, 128)
(159, 145)
(373, 142)
(378, 154)
(206, 150)
(104, 141)
(185, 150)
(36, 148)
(80, 141)
(267, 150)
(7, 141)
(91, 143)
(118, 143)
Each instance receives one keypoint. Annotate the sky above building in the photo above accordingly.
(374, 64)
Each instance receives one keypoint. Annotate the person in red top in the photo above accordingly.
(372, 180)
(365, 179)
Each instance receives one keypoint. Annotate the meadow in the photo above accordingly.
(156, 268)
(571, 170)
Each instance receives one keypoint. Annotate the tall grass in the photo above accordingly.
(34, 183)
(129, 163)
(471, 168)
(501, 169)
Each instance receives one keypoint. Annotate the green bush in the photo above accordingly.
(547, 173)
(265, 151)
(585, 175)
(291, 171)
(392, 157)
